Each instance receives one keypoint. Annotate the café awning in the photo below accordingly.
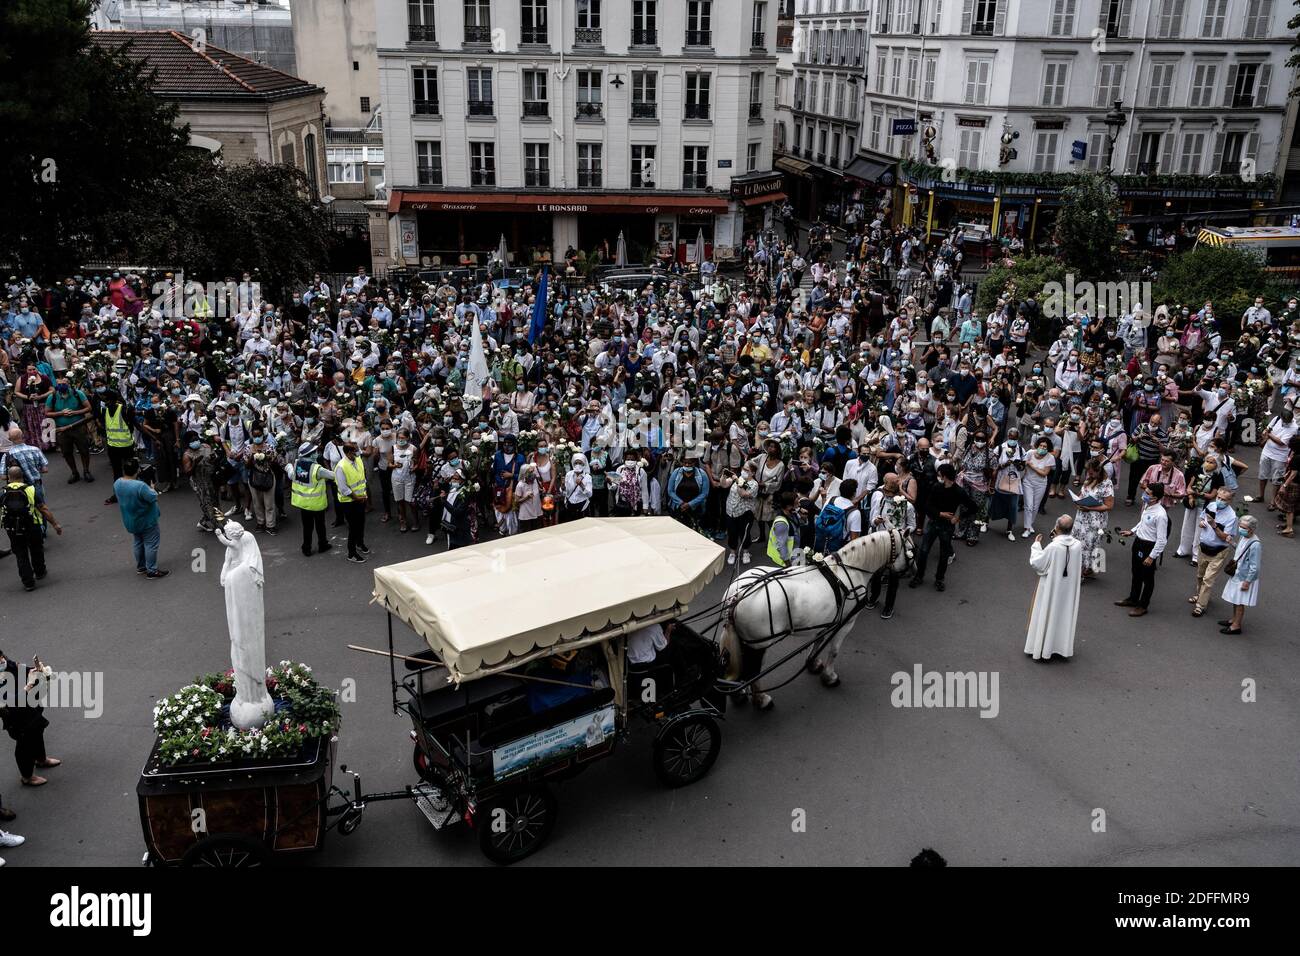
(791, 165)
(531, 203)
(870, 171)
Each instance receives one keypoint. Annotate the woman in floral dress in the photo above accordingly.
(975, 475)
(1090, 520)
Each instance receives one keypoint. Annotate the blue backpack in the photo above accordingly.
(831, 530)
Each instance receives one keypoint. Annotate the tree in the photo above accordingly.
(85, 137)
(218, 221)
(1028, 277)
(1087, 227)
(1228, 275)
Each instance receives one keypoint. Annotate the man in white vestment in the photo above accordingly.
(1055, 610)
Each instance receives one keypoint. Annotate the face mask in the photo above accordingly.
(542, 451)
(1146, 499)
(194, 445)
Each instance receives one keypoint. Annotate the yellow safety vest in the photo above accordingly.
(355, 473)
(772, 551)
(309, 495)
(115, 427)
(37, 518)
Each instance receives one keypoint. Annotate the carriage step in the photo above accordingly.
(436, 808)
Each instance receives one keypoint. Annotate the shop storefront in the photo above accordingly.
(756, 198)
(542, 226)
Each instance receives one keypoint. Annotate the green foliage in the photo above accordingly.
(1087, 226)
(85, 139)
(1027, 277)
(1229, 276)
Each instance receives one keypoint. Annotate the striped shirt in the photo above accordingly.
(1150, 441)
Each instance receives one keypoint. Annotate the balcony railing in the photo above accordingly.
(981, 28)
(537, 177)
(426, 107)
(645, 37)
(697, 110)
(589, 178)
(1243, 100)
(644, 110)
(482, 176)
(589, 109)
(755, 110)
(534, 35)
(536, 108)
(758, 40)
(478, 34)
(699, 37)
(480, 107)
(428, 175)
(420, 33)
(587, 36)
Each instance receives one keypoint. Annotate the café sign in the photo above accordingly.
(748, 188)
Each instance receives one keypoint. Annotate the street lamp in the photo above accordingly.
(1115, 121)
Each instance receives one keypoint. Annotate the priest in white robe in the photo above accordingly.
(1055, 611)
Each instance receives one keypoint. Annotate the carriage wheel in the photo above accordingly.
(686, 749)
(424, 768)
(227, 851)
(515, 826)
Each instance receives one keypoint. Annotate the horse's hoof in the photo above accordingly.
(740, 698)
(764, 703)
(815, 667)
(830, 680)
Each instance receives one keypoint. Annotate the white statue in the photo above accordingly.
(241, 576)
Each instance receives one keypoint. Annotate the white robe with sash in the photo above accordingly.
(1055, 610)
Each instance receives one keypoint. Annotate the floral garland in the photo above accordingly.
(192, 729)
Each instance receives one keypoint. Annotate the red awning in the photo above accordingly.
(553, 202)
(764, 199)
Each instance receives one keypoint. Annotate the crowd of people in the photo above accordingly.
(779, 415)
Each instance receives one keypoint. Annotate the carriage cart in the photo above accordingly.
(526, 678)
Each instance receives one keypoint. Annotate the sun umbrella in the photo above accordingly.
(502, 252)
(699, 249)
(620, 250)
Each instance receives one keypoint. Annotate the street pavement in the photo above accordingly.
(1139, 751)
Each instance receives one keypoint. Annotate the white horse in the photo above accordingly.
(763, 606)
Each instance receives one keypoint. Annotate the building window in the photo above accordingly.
(589, 165)
(482, 164)
(643, 167)
(1233, 146)
(424, 82)
(344, 164)
(1160, 84)
(478, 21)
(532, 22)
(420, 17)
(758, 27)
(1115, 17)
(877, 120)
(1148, 155)
(645, 94)
(755, 96)
(589, 92)
(1063, 17)
(1205, 79)
(968, 149)
(821, 145)
(977, 81)
(1170, 23)
(1110, 84)
(644, 29)
(1189, 159)
(895, 75)
(1248, 84)
(882, 60)
(1045, 148)
(586, 27)
(309, 157)
(751, 157)
(537, 164)
(1054, 82)
(1259, 13)
(837, 144)
(984, 18)
(365, 104)
(1216, 16)
(428, 162)
(699, 23)
(695, 167)
(478, 85)
(928, 74)
(697, 95)
(535, 93)
(287, 155)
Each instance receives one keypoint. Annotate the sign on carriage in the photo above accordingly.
(581, 733)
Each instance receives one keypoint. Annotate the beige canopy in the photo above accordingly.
(496, 602)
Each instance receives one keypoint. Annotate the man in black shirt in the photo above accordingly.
(942, 509)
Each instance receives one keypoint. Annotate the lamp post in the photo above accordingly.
(1115, 121)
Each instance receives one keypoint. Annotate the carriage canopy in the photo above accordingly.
(497, 602)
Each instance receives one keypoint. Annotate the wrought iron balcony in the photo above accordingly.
(589, 109)
(755, 110)
(644, 110)
(587, 36)
(534, 35)
(480, 107)
(426, 108)
(699, 37)
(536, 108)
(697, 110)
(478, 34)
(645, 37)
(758, 40)
(421, 33)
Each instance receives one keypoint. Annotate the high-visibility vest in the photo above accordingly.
(37, 518)
(355, 473)
(308, 495)
(773, 551)
(115, 427)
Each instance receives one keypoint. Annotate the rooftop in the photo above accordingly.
(186, 69)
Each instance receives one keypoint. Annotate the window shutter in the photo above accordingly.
(971, 67)
(967, 13)
(1261, 90)
(1218, 154)
(1000, 18)
(1252, 147)
(1125, 16)
(1131, 162)
(1230, 85)
(1167, 153)
(1101, 17)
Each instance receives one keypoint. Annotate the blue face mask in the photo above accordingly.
(194, 445)
(258, 440)
(1243, 532)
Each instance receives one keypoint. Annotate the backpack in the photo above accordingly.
(628, 490)
(17, 510)
(831, 528)
(261, 478)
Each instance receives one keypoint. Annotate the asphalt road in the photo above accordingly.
(1146, 723)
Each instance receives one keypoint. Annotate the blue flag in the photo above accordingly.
(539, 309)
